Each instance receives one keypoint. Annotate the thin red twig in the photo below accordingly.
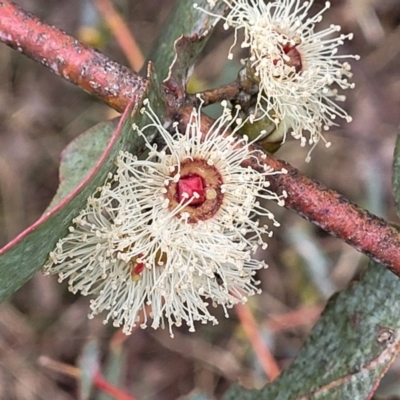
(121, 32)
(110, 389)
(261, 350)
(229, 91)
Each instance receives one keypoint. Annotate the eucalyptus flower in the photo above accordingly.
(297, 69)
(170, 235)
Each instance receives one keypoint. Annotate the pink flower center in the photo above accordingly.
(295, 57)
(198, 191)
(191, 187)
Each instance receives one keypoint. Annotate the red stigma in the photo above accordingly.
(136, 269)
(191, 187)
(294, 57)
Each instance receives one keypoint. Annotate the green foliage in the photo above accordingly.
(81, 156)
(357, 337)
(185, 22)
(349, 349)
(27, 253)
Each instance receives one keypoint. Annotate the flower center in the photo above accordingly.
(191, 187)
(294, 57)
(198, 189)
(291, 56)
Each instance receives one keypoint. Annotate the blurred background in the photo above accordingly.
(44, 330)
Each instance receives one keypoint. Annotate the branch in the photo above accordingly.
(324, 207)
(110, 389)
(260, 348)
(65, 56)
(231, 91)
(329, 210)
(116, 84)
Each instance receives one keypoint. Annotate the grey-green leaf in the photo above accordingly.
(27, 253)
(349, 349)
(184, 20)
(80, 157)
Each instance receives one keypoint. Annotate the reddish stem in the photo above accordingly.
(62, 54)
(324, 207)
(328, 209)
(115, 85)
(230, 91)
(110, 389)
(261, 350)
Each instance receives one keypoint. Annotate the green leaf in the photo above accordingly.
(184, 20)
(81, 156)
(349, 349)
(187, 49)
(28, 252)
(396, 174)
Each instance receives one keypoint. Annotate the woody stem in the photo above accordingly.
(115, 85)
(87, 68)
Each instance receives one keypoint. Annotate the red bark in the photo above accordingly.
(62, 54)
(115, 85)
(324, 207)
(328, 209)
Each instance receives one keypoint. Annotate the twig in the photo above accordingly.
(65, 56)
(226, 92)
(110, 389)
(115, 85)
(121, 32)
(331, 211)
(261, 350)
(61, 368)
(74, 372)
